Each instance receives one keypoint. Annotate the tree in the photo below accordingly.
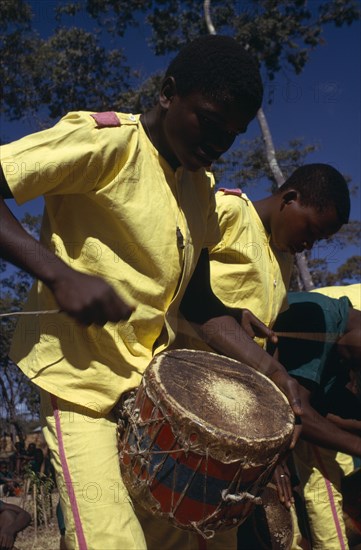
(18, 395)
(282, 33)
(247, 165)
(72, 69)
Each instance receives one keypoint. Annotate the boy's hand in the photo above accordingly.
(89, 299)
(253, 326)
(282, 479)
(290, 387)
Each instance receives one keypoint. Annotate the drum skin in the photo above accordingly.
(202, 438)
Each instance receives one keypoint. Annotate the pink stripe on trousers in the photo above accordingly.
(330, 498)
(74, 506)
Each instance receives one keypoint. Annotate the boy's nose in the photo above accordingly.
(221, 142)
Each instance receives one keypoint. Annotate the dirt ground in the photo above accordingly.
(46, 539)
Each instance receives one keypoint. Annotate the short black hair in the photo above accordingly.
(221, 69)
(320, 186)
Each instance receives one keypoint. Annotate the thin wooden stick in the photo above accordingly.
(35, 513)
(42, 312)
(314, 336)
(43, 507)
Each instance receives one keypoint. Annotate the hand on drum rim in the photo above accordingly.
(296, 434)
(290, 387)
(282, 479)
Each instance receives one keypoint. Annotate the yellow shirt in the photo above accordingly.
(246, 272)
(353, 293)
(112, 208)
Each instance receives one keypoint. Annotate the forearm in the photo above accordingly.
(21, 249)
(319, 430)
(225, 335)
(349, 424)
(87, 298)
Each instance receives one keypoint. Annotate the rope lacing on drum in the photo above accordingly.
(206, 533)
(240, 496)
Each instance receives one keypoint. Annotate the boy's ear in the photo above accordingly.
(167, 91)
(291, 195)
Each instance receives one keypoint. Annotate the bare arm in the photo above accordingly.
(87, 298)
(230, 331)
(349, 424)
(319, 430)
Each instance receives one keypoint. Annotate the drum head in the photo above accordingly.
(221, 405)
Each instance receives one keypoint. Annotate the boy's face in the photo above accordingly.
(296, 227)
(199, 130)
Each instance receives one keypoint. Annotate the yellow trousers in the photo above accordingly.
(97, 509)
(320, 472)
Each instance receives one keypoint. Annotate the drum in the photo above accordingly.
(201, 438)
(270, 525)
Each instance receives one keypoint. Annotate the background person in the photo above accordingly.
(324, 350)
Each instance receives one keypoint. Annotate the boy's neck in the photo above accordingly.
(264, 208)
(153, 125)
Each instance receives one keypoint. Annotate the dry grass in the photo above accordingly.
(45, 538)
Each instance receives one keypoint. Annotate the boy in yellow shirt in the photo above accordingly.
(252, 263)
(129, 214)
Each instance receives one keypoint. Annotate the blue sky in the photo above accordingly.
(322, 106)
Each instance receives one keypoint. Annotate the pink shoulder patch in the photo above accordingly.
(106, 120)
(237, 192)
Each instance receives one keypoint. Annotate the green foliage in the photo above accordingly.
(247, 165)
(142, 98)
(41, 487)
(281, 33)
(349, 272)
(18, 396)
(71, 69)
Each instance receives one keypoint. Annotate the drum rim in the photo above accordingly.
(156, 391)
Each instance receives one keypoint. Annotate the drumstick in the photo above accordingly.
(315, 336)
(41, 312)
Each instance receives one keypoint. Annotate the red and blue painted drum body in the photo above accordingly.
(202, 438)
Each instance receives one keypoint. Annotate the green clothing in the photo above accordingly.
(313, 360)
